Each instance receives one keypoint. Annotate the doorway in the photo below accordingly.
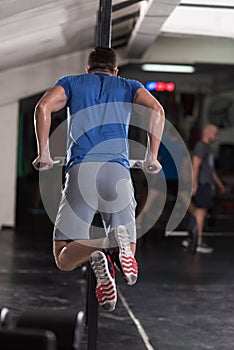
(30, 212)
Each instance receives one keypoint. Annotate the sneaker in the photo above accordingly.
(106, 292)
(126, 261)
(204, 248)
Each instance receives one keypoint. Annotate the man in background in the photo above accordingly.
(204, 180)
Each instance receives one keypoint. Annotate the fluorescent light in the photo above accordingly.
(172, 68)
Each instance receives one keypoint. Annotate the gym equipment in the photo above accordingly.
(140, 165)
(55, 162)
(27, 339)
(103, 28)
(134, 163)
(67, 325)
(91, 321)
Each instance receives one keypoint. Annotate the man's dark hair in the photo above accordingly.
(103, 58)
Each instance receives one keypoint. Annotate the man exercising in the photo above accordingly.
(97, 168)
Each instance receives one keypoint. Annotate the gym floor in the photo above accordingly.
(180, 301)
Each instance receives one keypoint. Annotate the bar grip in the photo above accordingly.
(139, 164)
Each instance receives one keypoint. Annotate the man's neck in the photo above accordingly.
(101, 72)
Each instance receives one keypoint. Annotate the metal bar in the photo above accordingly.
(103, 38)
(223, 7)
(104, 23)
(92, 312)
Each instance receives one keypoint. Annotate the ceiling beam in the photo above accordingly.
(124, 4)
(147, 29)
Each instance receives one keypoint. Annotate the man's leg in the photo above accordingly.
(117, 207)
(200, 215)
(69, 254)
(133, 247)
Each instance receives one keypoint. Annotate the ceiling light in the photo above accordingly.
(172, 68)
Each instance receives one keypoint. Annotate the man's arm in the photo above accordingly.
(196, 166)
(218, 182)
(156, 124)
(52, 101)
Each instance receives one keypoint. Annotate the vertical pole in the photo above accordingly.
(92, 311)
(103, 37)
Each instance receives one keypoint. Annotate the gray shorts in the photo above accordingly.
(91, 188)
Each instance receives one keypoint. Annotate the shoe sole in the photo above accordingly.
(106, 292)
(204, 250)
(127, 261)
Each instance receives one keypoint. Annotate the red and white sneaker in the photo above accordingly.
(106, 292)
(126, 261)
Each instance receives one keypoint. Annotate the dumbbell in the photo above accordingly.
(67, 325)
(27, 339)
(14, 339)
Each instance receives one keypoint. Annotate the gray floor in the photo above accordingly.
(181, 301)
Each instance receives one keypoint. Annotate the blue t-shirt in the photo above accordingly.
(99, 111)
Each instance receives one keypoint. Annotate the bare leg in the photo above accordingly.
(133, 247)
(200, 215)
(68, 255)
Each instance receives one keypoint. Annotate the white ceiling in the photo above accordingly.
(205, 18)
(32, 31)
(45, 29)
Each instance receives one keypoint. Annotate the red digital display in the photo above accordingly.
(160, 86)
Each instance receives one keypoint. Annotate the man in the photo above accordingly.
(204, 179)
(96, 165)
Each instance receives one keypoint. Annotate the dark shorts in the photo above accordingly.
(203, 197)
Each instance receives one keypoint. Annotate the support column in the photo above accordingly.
(103, 37)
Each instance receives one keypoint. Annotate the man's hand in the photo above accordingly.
(218, 182)
(152, 167)
(221, 189)
(42, 163)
